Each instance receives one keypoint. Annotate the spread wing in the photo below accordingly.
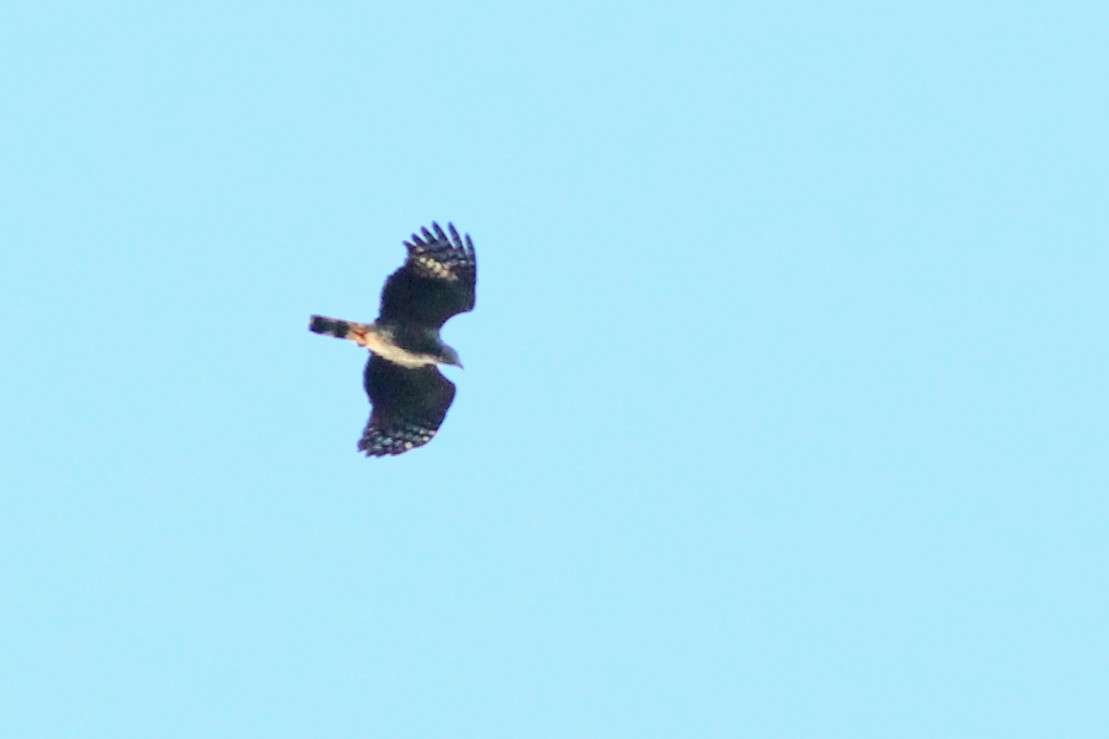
(409, 405)
(436, 282)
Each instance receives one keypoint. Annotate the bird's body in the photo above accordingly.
(410, 397)
(406, 350)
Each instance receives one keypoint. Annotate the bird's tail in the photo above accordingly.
(333, 327)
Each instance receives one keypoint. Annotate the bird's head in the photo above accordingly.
(449, 356)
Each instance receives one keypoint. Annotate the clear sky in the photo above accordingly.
(785, 402)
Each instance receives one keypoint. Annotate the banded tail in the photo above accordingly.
(338, 328)
(329, 327)
(363, 334)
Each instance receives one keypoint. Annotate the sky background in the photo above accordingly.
(785, 400)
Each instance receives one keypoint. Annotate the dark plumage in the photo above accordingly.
(436, 282)
(410, 397)
(409, 406)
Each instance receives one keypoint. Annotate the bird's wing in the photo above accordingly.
(409, 405)
(436, 282)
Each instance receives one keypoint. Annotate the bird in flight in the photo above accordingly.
(410, 397)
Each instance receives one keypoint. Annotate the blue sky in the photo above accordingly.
(784, 410)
